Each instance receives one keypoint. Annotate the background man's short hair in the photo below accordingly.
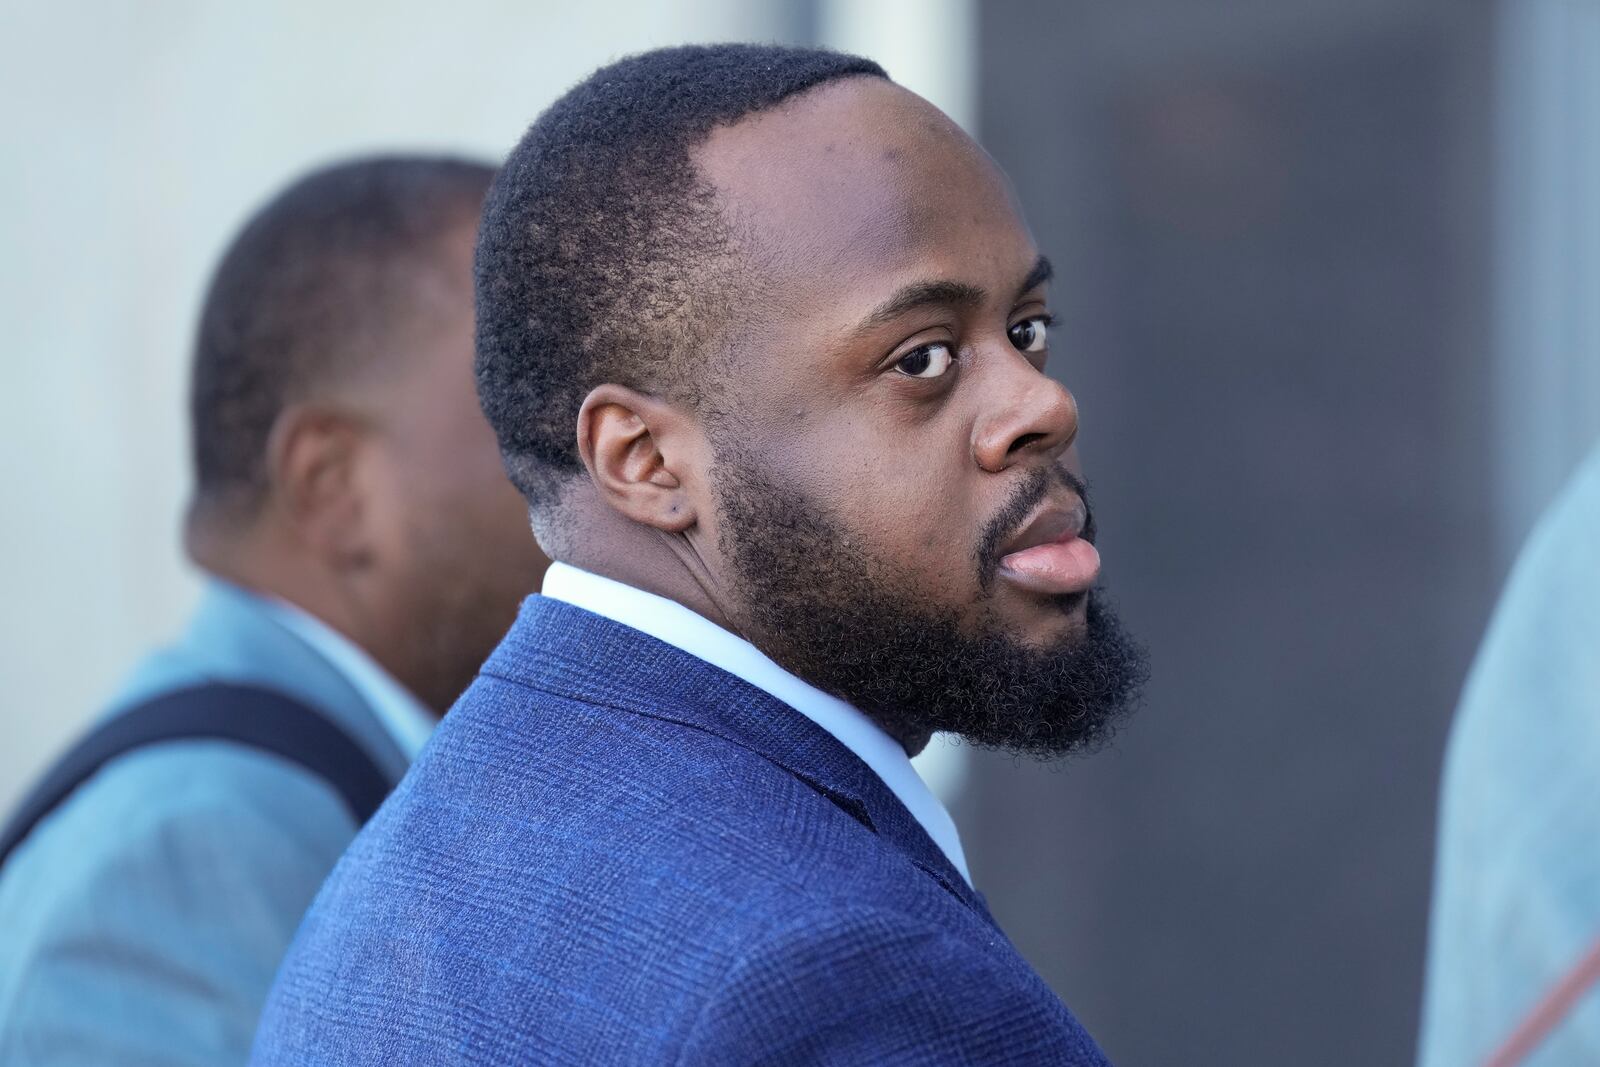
(597, 255)
(309, 292)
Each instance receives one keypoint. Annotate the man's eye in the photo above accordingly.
(1029, 334)
(926, 361)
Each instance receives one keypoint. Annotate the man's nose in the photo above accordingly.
(1030, 415)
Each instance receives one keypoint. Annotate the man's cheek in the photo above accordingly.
(921, 535)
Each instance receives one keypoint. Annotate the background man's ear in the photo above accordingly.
(640, 453)
(313, 469)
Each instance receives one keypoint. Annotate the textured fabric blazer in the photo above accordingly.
(612, 852)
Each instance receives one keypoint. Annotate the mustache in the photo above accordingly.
(1034, 487)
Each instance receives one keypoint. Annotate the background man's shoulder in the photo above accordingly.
(187, 866)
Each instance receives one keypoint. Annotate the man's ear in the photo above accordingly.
(312, 467)
(639, 452)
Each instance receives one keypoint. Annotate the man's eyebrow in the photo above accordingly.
(1042, 272)
(946, 294)
(923, 294)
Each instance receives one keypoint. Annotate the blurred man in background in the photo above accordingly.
(1514, 954)
(366, 551)
(763, 336)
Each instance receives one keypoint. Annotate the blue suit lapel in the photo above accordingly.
(565, 650)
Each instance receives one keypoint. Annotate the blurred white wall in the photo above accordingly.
(138, 137)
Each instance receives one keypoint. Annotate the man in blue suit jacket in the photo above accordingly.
(762, 336)
(365, 553)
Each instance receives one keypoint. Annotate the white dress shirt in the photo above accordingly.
(671, 622)
(405, 717)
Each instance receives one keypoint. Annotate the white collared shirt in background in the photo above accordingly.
(671, 622)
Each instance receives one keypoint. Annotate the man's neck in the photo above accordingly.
(587, 534)
(570, 581)
(645, 559)
(250, 560)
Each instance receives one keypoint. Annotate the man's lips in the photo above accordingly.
(1048, 555)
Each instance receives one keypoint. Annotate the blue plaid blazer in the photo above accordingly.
(612, 852)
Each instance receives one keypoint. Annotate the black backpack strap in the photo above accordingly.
(257, 718)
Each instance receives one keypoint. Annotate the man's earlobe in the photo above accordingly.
(312, 458)
(630, 444)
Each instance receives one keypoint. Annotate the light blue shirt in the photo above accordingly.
(144, 919)
(1517, 883)
(666, 620)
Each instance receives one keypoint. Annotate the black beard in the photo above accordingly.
(827, 611)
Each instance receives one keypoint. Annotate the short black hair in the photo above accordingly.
(596, 254)
(308, 292)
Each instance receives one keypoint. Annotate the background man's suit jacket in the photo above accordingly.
(143, 920)
(612, 852)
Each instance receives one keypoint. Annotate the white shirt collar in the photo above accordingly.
(403, 716)
(671, 622)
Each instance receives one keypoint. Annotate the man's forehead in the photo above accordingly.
(858, 170)
(867, 110)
